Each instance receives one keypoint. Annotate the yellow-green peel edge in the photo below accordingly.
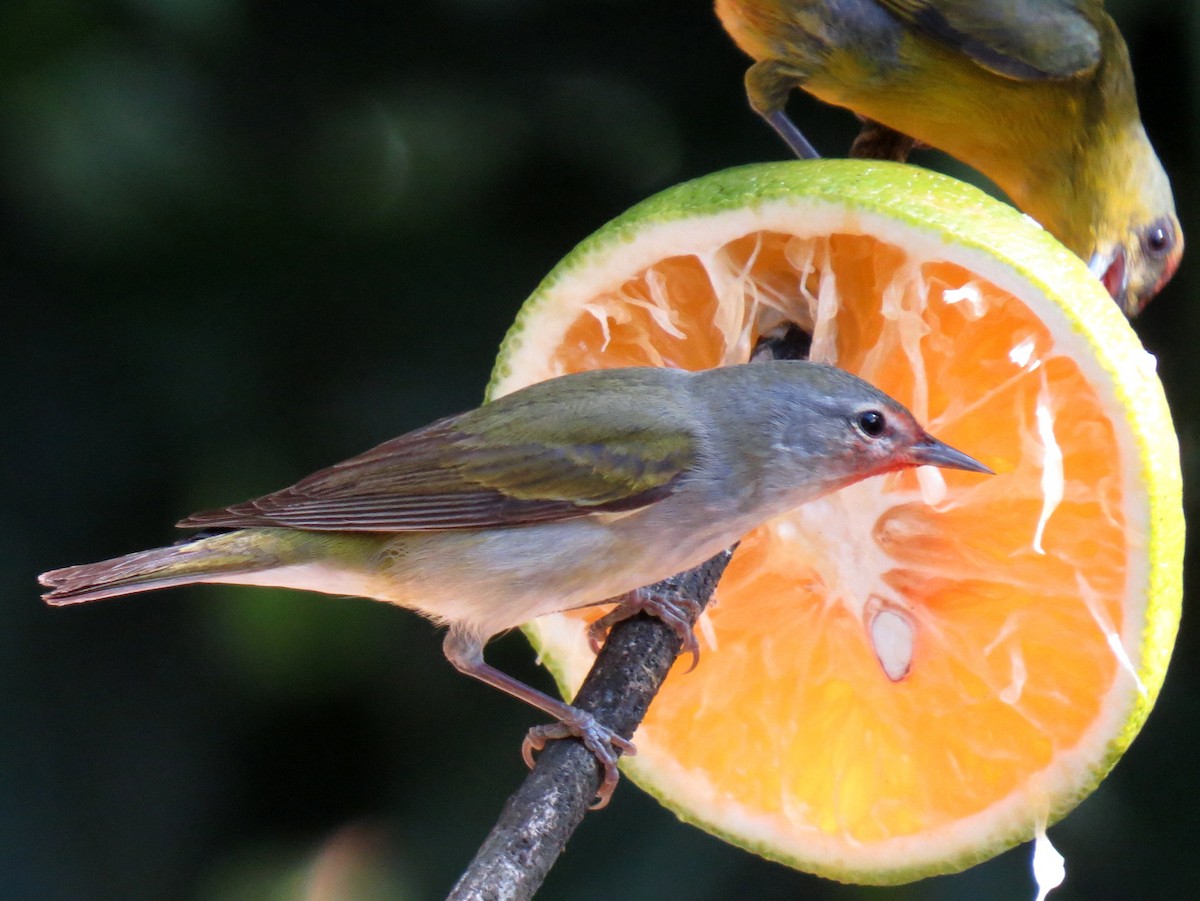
(962, 216)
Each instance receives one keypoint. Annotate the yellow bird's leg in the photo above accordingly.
(878, 142)
(768, 84)
(677, 612)
(465, 653)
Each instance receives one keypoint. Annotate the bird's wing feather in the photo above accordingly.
(537, 456)
(1029, 40)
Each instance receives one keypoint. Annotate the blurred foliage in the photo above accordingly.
(243, 240)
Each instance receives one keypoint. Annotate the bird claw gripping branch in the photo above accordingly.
(605, 744)
(677, 612)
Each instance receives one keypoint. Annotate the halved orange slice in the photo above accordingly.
(922, 670)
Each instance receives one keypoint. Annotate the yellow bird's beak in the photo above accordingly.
(1110, 268)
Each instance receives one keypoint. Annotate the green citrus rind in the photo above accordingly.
(1018, 255)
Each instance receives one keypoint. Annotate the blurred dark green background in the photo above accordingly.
(243, 240)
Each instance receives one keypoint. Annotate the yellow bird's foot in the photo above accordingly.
(878, 142)
(605, 744)
(677, 612)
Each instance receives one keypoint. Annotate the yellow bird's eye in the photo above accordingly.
(1159, 239)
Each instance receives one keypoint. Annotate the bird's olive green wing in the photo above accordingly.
(1023, 39)
(586, 446)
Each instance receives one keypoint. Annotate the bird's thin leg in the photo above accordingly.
(878, 142)
(768, 84)
(677, 612)
(465, 652)
(792, 136)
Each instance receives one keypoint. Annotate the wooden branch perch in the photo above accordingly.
(543, 813)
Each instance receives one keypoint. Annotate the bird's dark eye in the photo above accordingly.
(871, 422)
(1159, 239)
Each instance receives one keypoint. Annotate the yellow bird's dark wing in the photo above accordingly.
(592, 444)
(1024, 39)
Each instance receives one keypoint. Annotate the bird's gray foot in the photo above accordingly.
(677, 612)
(603, 742)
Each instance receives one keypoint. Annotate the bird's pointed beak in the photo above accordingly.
(931, 452)
(1113, 273)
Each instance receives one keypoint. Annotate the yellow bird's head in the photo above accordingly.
(1136, 266)
(1133, 242)
(1109, 200)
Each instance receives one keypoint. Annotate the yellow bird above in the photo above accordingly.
(1038, 95)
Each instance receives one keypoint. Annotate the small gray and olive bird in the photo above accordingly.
(568, 493)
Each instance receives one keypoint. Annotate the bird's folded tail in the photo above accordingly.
(212, 558)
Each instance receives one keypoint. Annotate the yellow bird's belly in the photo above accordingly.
(1012, 131)
(947, 101)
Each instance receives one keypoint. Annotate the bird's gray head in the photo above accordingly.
(829, 428)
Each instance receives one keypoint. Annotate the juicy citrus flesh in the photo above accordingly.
(924, 668)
